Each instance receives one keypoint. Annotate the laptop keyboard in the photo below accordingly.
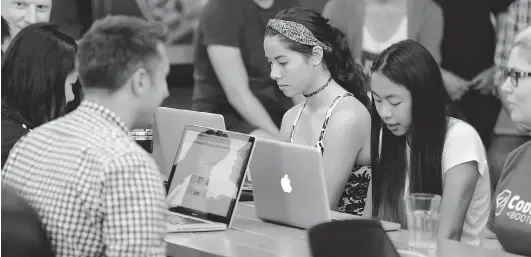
(179, 220)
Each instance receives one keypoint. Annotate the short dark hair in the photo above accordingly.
(114, 47)
(34, 70)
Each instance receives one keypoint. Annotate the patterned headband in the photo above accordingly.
(296, 32)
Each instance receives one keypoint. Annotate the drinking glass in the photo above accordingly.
(423, 220)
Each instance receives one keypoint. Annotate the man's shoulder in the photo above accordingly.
(100, 141)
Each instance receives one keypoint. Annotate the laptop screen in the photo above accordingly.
(208, 172)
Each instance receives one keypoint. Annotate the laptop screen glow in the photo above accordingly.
(208, 171)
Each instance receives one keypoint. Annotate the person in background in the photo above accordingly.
(512, 213)
(467, 49)
(96, 190)
(373, 25)
(231, 74)
(507, 135)
(309, 57)
(21, 13)
(23, 234)
(71, 16)
(36, 85)
(417, 147)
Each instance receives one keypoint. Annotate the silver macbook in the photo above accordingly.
(169, 128)
(206, 179)
(289, 186)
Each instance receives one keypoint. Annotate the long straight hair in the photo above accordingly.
(34, 70)
(409, 64)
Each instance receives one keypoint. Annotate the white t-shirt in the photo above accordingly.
(371, 48)
(463, 144)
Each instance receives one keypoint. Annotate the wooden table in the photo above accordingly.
(250, 237)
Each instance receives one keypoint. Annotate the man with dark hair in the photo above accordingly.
(97, 191)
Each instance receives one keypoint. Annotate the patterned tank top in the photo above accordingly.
(353, 197)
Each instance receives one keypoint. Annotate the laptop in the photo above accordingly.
(169, 128)
(289, 186)
(206, 179)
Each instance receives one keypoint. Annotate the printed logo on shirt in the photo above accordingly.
(502, 200)
(518, 208)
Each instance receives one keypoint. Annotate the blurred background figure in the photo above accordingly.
(21, 13)
(230, 72)
(373, 25)
(467, 49)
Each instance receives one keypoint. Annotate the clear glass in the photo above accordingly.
(423, 220)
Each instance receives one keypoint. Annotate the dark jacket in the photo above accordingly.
(14, 126)
(73, 17)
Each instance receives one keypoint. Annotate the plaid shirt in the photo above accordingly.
(97, 192)
(518, 18)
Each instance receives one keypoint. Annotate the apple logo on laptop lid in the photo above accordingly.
(285, 183)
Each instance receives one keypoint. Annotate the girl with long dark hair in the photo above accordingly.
(309, 56)
(37, 78)
(417, 147)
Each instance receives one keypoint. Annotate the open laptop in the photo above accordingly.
(289, 186)
(206, 179)
(169, 128)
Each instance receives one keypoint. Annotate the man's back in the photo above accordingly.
(96, 191)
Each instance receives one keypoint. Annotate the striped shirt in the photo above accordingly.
(97, 192)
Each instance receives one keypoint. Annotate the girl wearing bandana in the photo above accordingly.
(309, 56)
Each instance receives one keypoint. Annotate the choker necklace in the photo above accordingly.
(318, 90)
